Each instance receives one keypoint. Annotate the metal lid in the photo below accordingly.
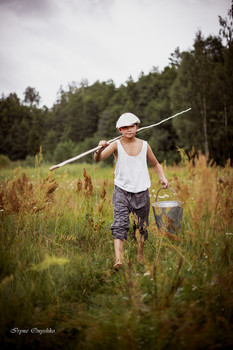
(166, 204)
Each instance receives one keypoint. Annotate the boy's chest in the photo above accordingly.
(133, 149)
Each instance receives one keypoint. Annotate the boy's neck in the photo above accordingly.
(128, 140)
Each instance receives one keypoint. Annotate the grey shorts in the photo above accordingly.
(125, 203)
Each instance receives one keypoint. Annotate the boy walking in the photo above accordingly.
(131, 181)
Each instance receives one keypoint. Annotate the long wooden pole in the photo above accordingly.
(112, 140)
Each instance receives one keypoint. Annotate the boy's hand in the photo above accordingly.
(103, 145)
(100, 155)
(164, 183)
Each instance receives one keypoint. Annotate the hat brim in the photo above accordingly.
(128, 124)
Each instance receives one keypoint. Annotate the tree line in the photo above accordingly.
(201, 78)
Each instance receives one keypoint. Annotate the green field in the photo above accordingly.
(56, 263)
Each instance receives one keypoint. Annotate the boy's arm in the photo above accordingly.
(157, 167)
(105, 151)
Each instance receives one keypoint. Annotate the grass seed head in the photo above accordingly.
(79, 186)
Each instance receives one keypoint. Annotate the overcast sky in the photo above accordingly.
(48, 43)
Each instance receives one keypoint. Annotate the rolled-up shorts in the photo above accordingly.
(125, 203)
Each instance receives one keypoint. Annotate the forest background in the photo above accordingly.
(201, 78)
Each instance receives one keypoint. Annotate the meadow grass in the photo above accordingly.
(56, 262)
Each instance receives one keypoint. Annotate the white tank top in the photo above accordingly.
(131, 173)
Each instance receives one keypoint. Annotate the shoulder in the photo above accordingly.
(145, 144)
(140, 141)
(113, 146)
(115, 143)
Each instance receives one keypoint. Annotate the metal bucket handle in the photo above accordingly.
(164, 189)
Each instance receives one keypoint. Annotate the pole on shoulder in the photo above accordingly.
(112, 140)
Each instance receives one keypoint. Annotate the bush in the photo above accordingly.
(4, 161)
(63, 151)
(84, 146)
(29, 161)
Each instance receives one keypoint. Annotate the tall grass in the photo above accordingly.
(56, 263)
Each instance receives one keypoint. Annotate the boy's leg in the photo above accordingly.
(118, 246)
(121, 224)
(141, 208)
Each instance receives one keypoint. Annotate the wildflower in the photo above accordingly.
(147, 273)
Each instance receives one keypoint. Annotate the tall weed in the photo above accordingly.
(56, 263)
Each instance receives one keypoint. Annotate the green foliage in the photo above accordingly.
(88, 144)
(201, 83)
(49, 143)
(63, 151)
(21, 128)
(29, 161)
(4, 161)
(31, 96)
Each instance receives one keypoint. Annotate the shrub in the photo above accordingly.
(63, 151)
(4, 161)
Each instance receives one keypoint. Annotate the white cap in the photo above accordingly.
(127, 119)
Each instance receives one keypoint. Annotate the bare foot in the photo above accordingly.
(117, 266)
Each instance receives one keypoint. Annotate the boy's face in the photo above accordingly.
(129, 131)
